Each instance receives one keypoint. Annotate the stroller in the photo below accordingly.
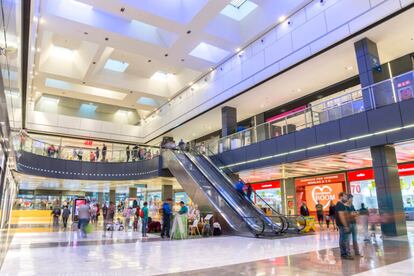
(117, 226)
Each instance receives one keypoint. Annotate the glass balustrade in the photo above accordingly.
(28, 144)
(383, 93)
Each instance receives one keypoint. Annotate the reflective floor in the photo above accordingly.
(65, 253)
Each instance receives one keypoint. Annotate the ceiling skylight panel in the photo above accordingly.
(116, 65)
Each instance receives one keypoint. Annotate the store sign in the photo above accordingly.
(88, 142)
(368, 174)
(361, 175)
(324, 193)
(355, 188)
(324, 179)
(266, 185)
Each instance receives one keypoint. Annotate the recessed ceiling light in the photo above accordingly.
(94, 62)
(191, 83)
(166, 55)
(149, 60)
(189, 32)
(122, 9)
(349, 67)
(238, 50)
(282, 18)
(85, 33)
(182, 59)
(106, 38)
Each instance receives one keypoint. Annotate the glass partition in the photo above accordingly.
(389, 91)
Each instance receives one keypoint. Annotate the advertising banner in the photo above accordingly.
(324, 193)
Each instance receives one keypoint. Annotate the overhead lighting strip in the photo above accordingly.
(318, 146)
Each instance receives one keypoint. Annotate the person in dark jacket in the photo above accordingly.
(65, 216)
(331, 215)
(304, 211)
(104, 152)
(128, 153)
(249, 191)
(166, 218)
(97, 154)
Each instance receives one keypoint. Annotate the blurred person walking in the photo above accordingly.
(363, 218)
(353, 214)
(144, 219)
(166, 218)
(84, 218)
(56, 214)
(331, 214)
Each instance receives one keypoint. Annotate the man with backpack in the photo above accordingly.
(166, 218)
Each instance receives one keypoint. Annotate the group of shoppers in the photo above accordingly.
(138, 153)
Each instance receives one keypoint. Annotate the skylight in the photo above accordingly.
(237, 3)
(87, 108)
(209, 52)
(239, 12)
(122, 112)
(50, 100)
(116, 65)
(61, 52)
(160, 75)
(147, 101)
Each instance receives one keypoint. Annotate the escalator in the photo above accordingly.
(211, 190)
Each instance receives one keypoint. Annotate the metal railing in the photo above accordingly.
(85, 154)
(383, 93)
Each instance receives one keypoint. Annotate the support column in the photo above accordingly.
(166, 192)
(112, 196)
(132, 192)
(100, 197)
(228, 120)
(370, 72)
(390, 202)
(288, 191)
(262, 131)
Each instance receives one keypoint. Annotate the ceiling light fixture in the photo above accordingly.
(160, 76)
(122, 9)
(282, 19)
(189, 32)
(349, 68)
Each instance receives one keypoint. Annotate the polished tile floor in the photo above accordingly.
(65, 253)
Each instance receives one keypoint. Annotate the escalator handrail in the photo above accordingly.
(217, 207)
(257, 210)
(223, 195)
(286, 221)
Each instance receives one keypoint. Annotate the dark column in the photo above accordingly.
(370, 72)
(132, 192)
(112, 196)
(390, 203)
(166, 192)
(228, 120)
(288, 192)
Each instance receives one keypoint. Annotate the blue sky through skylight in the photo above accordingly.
(116, 65)
(239, 13)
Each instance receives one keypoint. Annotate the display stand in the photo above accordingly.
(309, 224)
(179, 228)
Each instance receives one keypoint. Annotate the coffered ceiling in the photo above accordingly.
(138, 54)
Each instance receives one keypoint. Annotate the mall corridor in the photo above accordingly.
(206, 137)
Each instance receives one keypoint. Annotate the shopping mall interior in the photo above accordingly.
(200, 137)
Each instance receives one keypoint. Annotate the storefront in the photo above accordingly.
(362, 186)
(323, 188)
(270, 193)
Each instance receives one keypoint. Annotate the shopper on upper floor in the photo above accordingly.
(104, 152)
(181, 145)
(304, 211)
(128, 153)
(97, 153)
